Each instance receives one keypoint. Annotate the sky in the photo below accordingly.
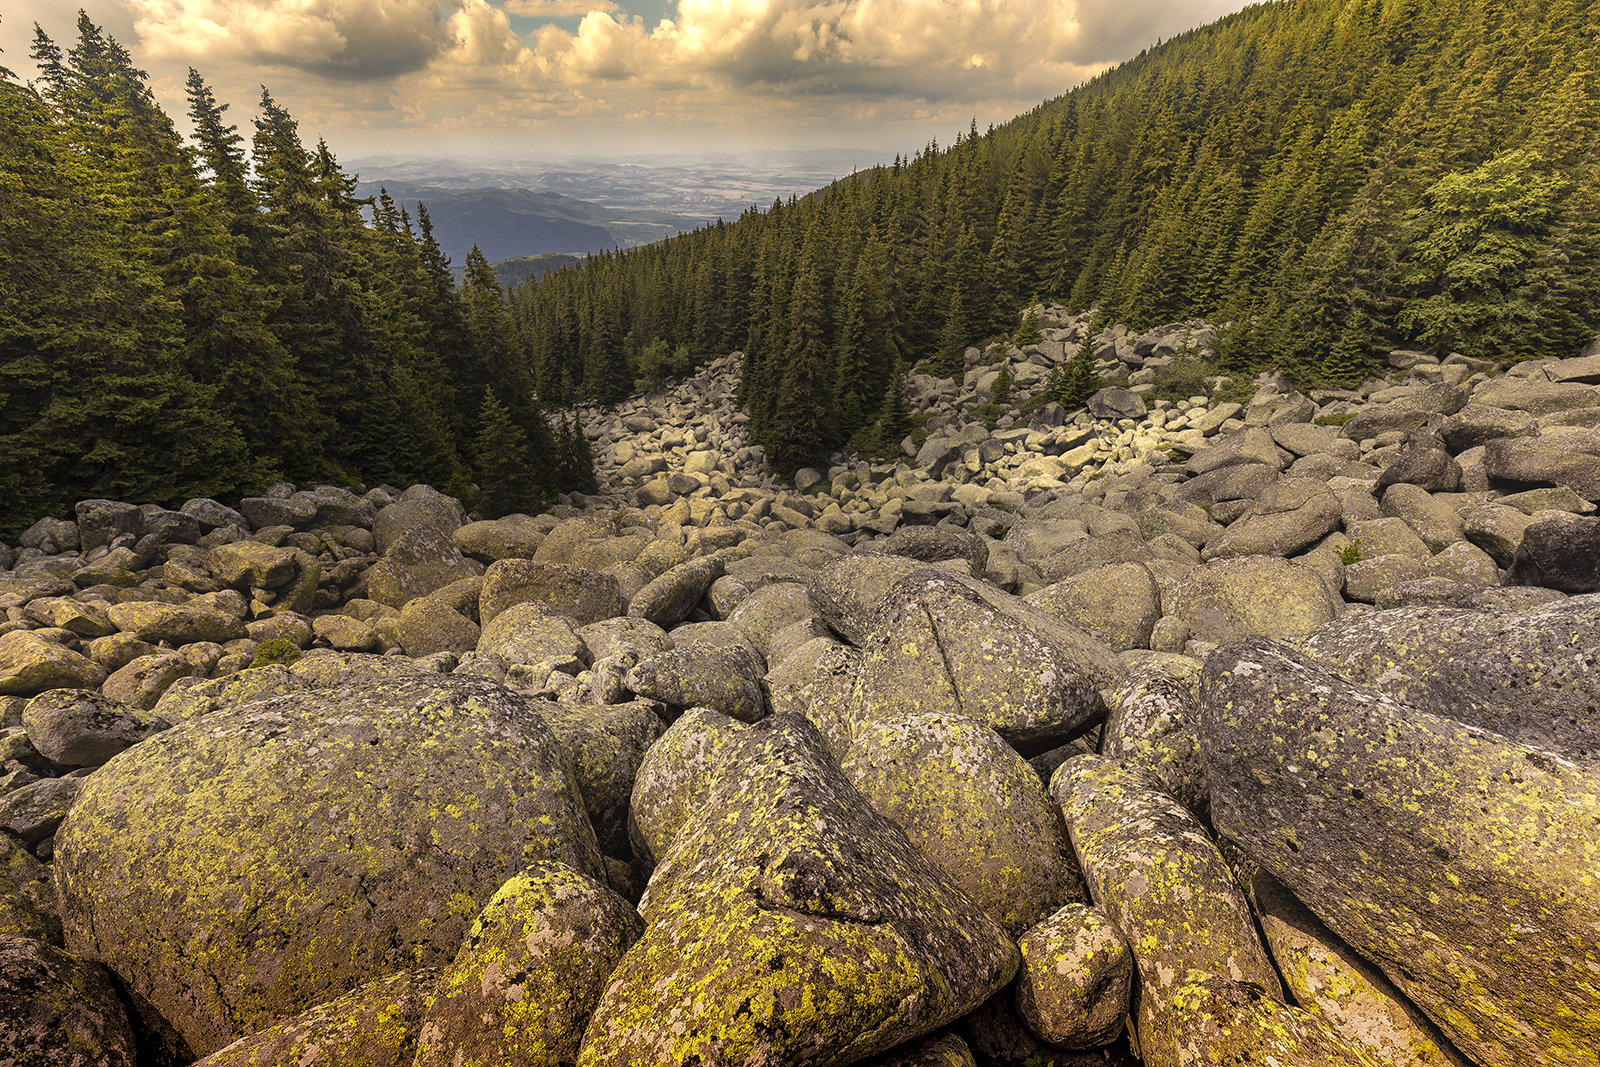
(531, 78)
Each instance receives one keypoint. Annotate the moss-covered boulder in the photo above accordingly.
(724, 677)
(1119, 603)
(1076, 979)
(1231, 599)
(81, 728)
(27, 896)
(977, 809)
(1328, 979)
(176, 624)
(668, 599)
(1461, 862)
(938, 646)
(528, 975)
(1533, 677)
(791, 923)
(582, 595)
(374, 1025)
(59, 1011)
(1155, 872)
(308, 843)
(676, 776)
(31, 664)
(605, 745)
(187, 698)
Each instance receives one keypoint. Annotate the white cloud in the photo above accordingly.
(550, 9)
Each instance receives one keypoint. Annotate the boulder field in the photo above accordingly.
(1172, 732)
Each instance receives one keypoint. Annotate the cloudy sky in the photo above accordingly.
(531, 77)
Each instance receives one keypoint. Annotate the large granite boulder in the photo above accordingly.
(724, 677)
(668, 599)
(789, 922)
(421, 560)
(307, 843)
(1233, 598)
(529, 973)
(1119, 603)
(974, 806)
(1076, 980)
(583, 595)
(938, 646)
(31, 664)
(1458, 861)
(1559, 551)
(1532, 677)
(81, 728)
(1531, 461)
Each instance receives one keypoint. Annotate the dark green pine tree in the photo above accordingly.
(867, 349)
(575, 463)
(506, 481)
(804, 427)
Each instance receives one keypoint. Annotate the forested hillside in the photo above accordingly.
(193, 320)
(1335, 178)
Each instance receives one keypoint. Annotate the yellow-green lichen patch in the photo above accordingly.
(1152, 723)
(373, 1026)
(605, 745)
(186, 700)
(791, 923)
(261, 859)
(1155, 872)
(1461, 863)
(677, 775)
(529, 973)
(59, 1011)
(974, 806)
(27, 899)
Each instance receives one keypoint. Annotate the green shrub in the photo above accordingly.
(1028, 333)
(275, 651)
(1351, 553)
(1338, 418)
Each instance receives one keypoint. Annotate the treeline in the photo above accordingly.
(1335, 178)
(184, 320)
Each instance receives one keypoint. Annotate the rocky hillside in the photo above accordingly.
(1171, 731)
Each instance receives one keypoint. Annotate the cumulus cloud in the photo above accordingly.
(550, 9)
(339, 39)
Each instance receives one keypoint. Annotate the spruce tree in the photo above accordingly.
(506, 481)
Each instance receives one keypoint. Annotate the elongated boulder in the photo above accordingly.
(1534, 678)
(974, 806)
(374, 1025)
(302, 845)
(667, 600)
(1235, 598)
(81, 728)
(30, 664)
(583, 595)
(1155, 872)
(1154, 724)
(791, 923)
(937, 646)
(177, 624)
(27, 895)
(1460, 862)
(605, 743)
(676, 776)
(725, 677)
(528, 975)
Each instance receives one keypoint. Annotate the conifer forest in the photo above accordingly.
(1331, 179)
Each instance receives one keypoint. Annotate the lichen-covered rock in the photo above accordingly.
(1458, 861)
(724, 677)
(529, 973)
(141, 682)
(83, 619)
(766, 611)
(582, 595)
(1119, 603)
(59, 1011)
(1289, 516)
(1533, 677)
(1154, 724)
(937, 646)
(936, 1050)
(81, 728)
(428, 625)
(176, 624)
(1235, 598)
(30, 664)
(1155, 872)
(606, 744)
(668, 599)
(304, 844)
(1076, 980)
(188, 698)
(1558, 552)
(27, 896)
(531, 633)
(791, 923)
(374, 1025)
(1526, 461)
(421, 560)
(345, 634)
(243, 564)
(847, 592)
(496, 539)
(1328, 979)
(977, 809)
(34, 812)
(624, 634)
(678, 773)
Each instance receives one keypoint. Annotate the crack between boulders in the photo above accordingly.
(944, 660)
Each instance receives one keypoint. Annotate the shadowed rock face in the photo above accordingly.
(307, 843)
(1458, 861)
(790, 923)
(1534, 678)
